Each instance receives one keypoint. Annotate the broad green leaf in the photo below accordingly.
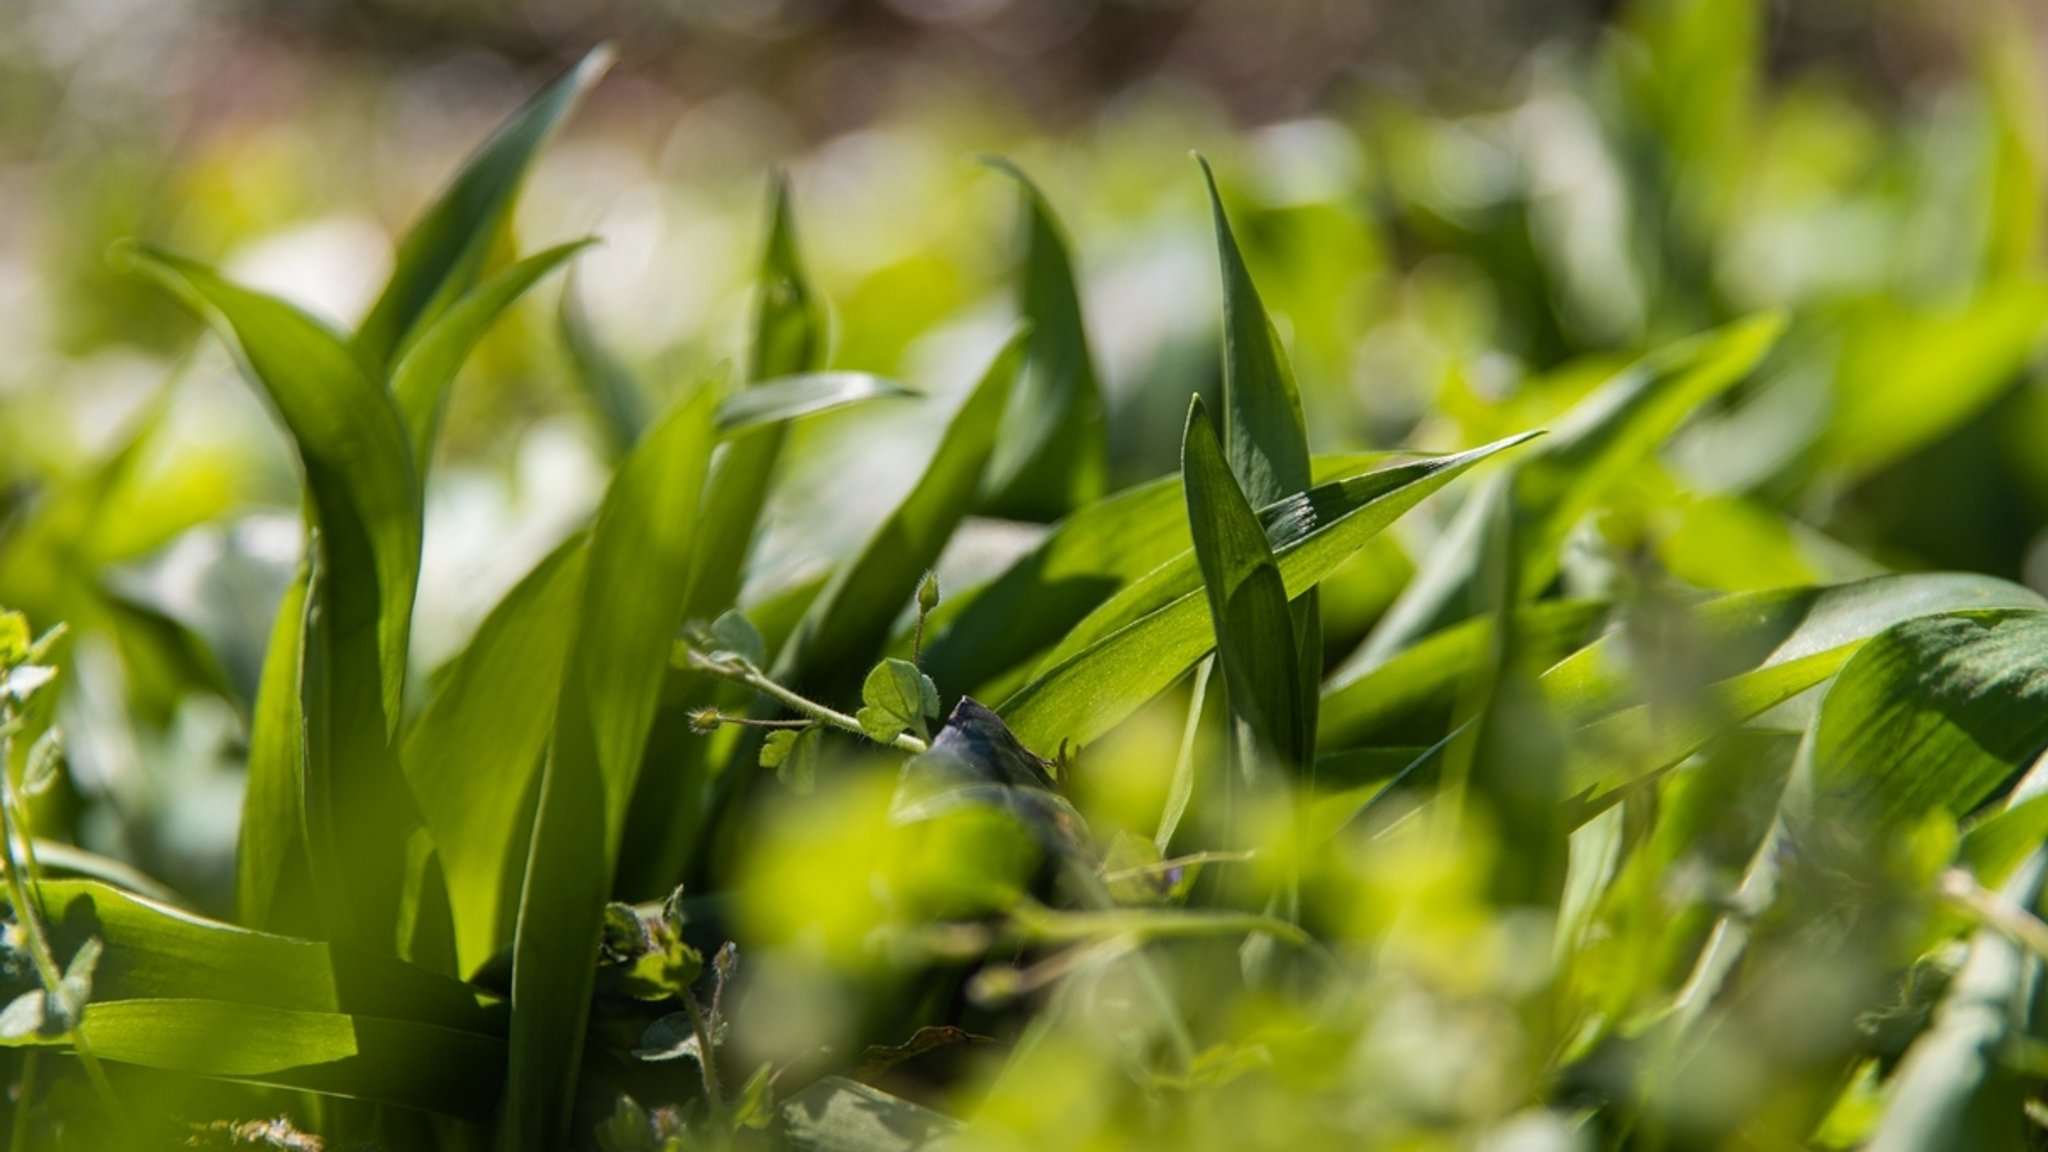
(1053, 455)
(805, 394)
(154, 951)
(443, 254)
(1254, 636)
(897, 698)
(1956, 1091)
(632, 604)
(849, 622)
(835, 1114)
(1934, 714)
(270, 858)
(1413, 691)
(474, 755)
(1149, 636)
(351, 441)
(373, 1058)
(1558, 482)
(421, 379)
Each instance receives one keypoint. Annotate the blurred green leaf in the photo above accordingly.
(1053, 455)
(1560, 480)
(271, 867)
(840, 1115)
(442, 255)
(424, 373)
(790, 397)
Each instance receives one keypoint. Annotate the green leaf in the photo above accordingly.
(421, 379)
(898, 698)
(849, 622)
(610, 387)
(632, 605)
(732, 632)
(1597, 443)
(14, 638)
(1139, 643)
(378, 1059)
(978, 635)
(443, 254)
(1254, 635)
(270, 858)
(474, 755)
(794, 754)
(1053, 455)
(1907, 378)
(44, 765)
(1934, 714)
(350, 439)
(789, 319)
(786, 398)
(788, 345)
(1266, 435)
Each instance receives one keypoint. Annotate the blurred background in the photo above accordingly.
(1463, 213)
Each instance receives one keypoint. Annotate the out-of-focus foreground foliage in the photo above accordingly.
(707, 624)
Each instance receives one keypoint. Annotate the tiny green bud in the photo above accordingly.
(928, 592)
(704, 721)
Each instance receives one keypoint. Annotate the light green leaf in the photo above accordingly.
(1597, 443)
(422, 377)
(632, 605)
(474, 755)
(848, 623)
(610, 387)
(786, 398)
(1053, 455)
(794, 754)
(898, 698)
(733, 632)
(1140, 642)
(443, 254)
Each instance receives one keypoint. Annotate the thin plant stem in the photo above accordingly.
(707, 1052)
(741, 672)
(22, 1102)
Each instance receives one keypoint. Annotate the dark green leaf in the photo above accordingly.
(1254, 635)
(1053, 455)
(897, 698)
